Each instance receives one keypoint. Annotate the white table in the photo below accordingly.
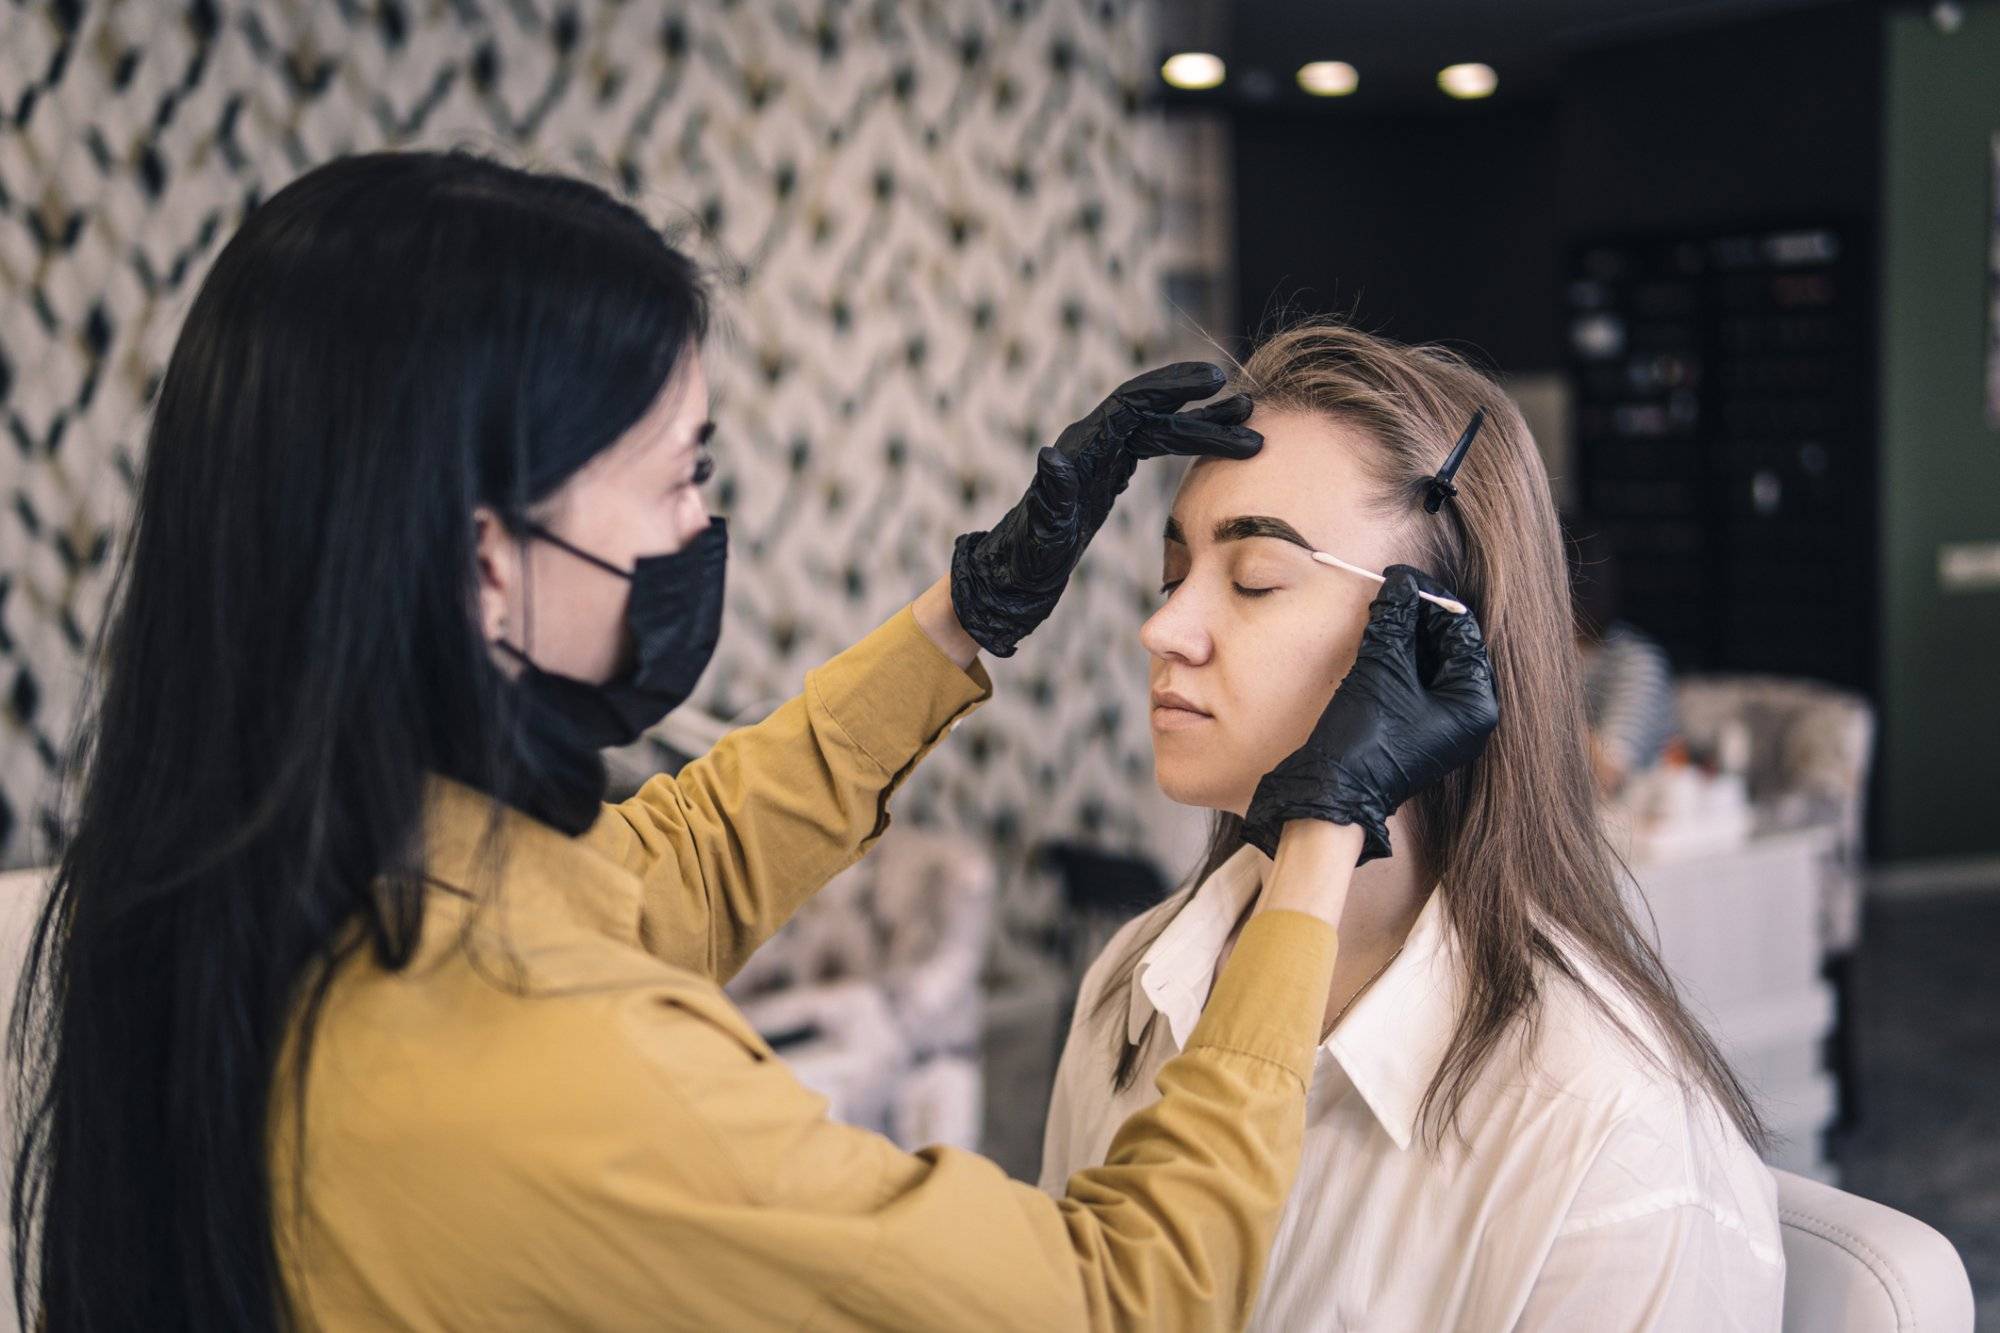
(1741, 931)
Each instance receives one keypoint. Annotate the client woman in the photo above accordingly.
(1513, 1121)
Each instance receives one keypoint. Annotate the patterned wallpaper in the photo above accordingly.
(936, 226)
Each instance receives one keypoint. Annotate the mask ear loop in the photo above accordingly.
(536, 530)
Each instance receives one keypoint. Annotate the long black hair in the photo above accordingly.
(386, 343)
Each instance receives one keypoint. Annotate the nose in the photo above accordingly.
(1178, 632)
(693, 516)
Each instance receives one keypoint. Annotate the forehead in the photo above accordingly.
(667, 429)
(684, 400)
(1308, 473)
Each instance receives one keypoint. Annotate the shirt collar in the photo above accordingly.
(1174, 976)
(1389, 1044)
(544, 869)
(1392, 1042)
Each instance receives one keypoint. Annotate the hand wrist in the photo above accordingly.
(1312, 869)
(1303, 791)
(938, 619)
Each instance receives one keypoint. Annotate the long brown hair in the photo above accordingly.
(1513, 840)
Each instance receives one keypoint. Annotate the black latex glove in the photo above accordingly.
(1417, 704)
(1006, 581)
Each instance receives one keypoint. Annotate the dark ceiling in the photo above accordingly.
(1400, 45)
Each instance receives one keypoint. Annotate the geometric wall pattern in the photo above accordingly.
(935, 227)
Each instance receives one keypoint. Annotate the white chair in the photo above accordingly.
(1854, 1266)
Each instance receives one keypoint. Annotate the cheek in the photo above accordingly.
(1271, 680)
(579, 620)
(1290, 663)
(1280, 706)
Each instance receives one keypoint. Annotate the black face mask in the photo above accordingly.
(675, 614)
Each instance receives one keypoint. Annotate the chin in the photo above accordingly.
(1183, 786)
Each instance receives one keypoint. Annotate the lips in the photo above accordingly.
(1179, 702)
(1176, 712)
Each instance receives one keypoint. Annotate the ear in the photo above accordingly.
(498, 556)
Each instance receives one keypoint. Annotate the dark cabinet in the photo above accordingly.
(1725, 442)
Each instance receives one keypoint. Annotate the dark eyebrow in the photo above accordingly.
(1259, 525)
(1173, 532)
(702, 432)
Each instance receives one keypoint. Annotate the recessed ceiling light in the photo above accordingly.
(1329, 78)
(1193, 70)
(1466, 82)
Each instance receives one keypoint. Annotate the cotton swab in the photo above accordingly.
(1455, 607)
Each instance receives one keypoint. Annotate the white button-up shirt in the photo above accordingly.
(1580, 1189)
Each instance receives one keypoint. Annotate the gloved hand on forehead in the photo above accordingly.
(1004, 582)
(1417, 704)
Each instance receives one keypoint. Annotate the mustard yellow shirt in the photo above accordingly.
(554, 1118)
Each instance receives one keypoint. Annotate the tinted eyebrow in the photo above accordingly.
(1259, 525)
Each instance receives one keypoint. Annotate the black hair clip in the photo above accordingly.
(1438, 489)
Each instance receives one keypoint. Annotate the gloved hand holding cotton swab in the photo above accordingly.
(1457, 608)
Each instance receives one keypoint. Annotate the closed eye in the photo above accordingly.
(1167, 589)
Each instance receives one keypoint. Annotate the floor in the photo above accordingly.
(1927, 1137)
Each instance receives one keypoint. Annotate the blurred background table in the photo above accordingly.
(1744, 932)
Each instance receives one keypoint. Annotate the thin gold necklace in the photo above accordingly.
(1359, 993)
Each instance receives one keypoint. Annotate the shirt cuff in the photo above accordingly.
(895, 693)
(1270, 1000)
